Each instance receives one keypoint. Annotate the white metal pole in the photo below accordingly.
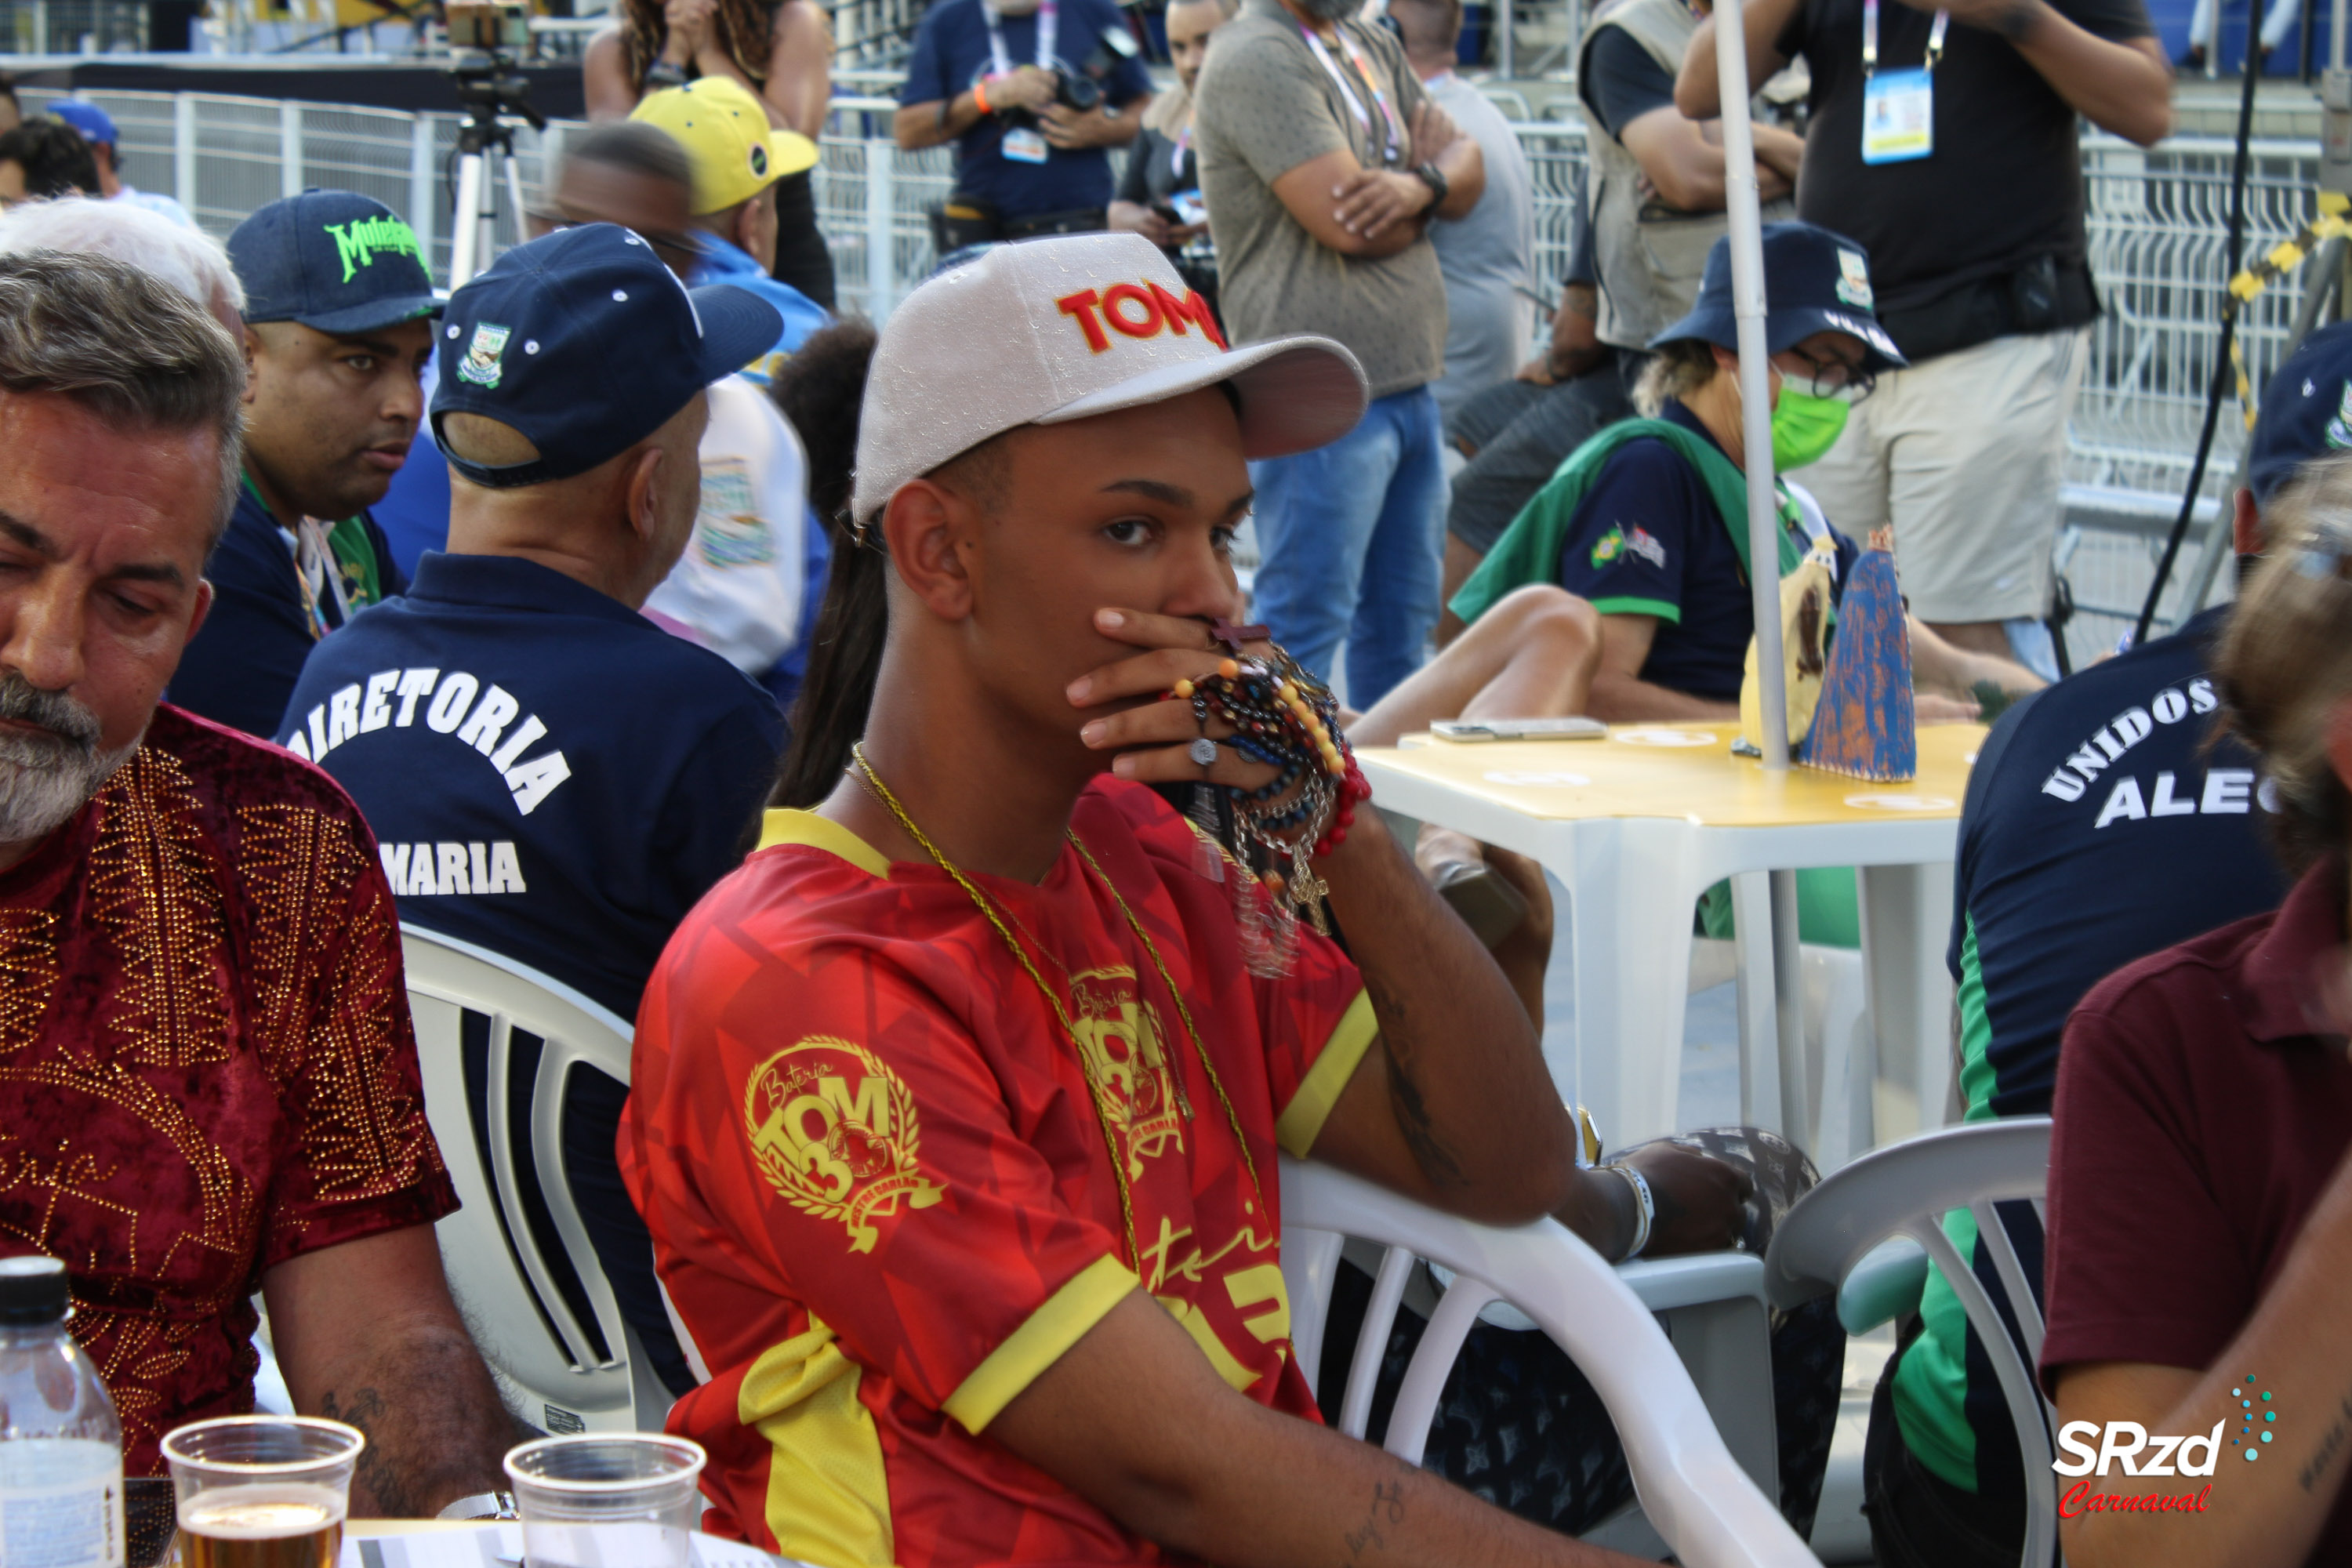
(1748, 307)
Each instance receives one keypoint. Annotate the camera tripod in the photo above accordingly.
(489, 89)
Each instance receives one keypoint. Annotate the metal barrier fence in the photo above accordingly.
(2158, 225)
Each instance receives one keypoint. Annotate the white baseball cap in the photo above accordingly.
(1048, 330)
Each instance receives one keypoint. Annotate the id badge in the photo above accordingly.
(1898, 117)
(1189, 207)
(1025, 144)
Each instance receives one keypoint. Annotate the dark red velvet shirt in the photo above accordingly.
(2200, 1113)
(207, 1065)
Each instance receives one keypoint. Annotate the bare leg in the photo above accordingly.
(1531, 657)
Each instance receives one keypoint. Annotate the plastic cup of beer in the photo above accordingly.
(262, 1491)
(592, 1501)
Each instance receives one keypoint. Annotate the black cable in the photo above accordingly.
(2229, 307)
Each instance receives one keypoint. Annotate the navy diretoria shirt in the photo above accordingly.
(554, 777)
(548, 774)
(243, 661)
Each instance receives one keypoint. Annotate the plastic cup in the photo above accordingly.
(606, 1501)
(261, 1491)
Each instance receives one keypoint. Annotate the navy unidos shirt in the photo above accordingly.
(2098, 828)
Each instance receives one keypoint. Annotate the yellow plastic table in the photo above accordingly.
(1639, 824)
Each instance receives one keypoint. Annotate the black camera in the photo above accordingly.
(1081, 89)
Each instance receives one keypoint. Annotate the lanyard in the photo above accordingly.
(318, 574)
(1372, 85)
(1183, 144)
(1870, 38)
(1000, 58)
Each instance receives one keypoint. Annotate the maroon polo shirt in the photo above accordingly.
(2200, 1113)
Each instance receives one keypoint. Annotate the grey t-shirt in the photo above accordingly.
(1265, 106)
(1488, 256)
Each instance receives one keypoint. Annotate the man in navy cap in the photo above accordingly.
(550, 774)
(337, 330)
(2102, 825)
(97, 128)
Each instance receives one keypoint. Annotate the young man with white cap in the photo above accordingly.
(956, 1111)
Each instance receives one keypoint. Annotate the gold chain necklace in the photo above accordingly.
(881, 791)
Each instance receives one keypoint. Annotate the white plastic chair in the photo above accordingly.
(1870, 1230)
(496, 1042)
(1709, 1509)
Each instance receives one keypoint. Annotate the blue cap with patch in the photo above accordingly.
(586, 343)
(94, 123)
(335, 261)
(1814, 282)
(2306, 410)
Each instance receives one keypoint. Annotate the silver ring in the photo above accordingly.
(1204, 751)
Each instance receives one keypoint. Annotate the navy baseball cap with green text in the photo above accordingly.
(586, 343)
(335, 261)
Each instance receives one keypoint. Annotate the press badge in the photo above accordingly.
(1025, 144)
(1898, 116)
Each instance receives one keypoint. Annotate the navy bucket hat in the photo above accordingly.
(1814, 282)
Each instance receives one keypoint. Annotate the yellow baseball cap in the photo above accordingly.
(725, 131)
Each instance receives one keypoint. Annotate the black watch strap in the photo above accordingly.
(1429, 175)
(662, 73)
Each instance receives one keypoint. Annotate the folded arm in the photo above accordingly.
(1683, 159)
(1133, 1419)
(1620, 696)
(365, 1334)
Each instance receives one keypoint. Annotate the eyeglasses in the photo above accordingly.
(1829, 377)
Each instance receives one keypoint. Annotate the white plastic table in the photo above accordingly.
(1637, 825)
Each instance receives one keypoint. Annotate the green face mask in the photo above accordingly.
(1804, 427)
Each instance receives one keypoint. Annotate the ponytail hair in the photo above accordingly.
(820, 390)
(2285, 662)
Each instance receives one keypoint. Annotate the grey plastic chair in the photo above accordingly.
(1870, 1229)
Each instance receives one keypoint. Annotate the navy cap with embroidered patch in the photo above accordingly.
(2306, 410)
(335, 261)
(1814, 282)
(586, 343)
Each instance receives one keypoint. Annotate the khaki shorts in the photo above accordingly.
(1964, 455)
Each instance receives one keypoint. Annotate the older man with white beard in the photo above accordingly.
(205, 1052)
(1324, 162)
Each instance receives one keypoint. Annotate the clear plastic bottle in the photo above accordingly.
(60, 1440)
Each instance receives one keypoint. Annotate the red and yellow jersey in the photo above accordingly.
(881, 1198)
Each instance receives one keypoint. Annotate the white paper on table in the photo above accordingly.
(500, 1546)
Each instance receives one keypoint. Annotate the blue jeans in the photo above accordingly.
(1349, 539)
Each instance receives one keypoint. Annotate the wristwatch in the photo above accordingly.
(481, 1505)
(661, 73)
(1429, 175)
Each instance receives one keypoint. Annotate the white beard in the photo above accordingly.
(45, 780)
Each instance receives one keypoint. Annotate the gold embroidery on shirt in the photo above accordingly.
(28, 972)
(335, 1034)
(835, 1132)
(150, 887)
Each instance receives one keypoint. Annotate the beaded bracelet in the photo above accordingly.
(1281, 718)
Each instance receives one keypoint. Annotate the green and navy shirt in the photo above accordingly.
(2098, 828)
(241, 668)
